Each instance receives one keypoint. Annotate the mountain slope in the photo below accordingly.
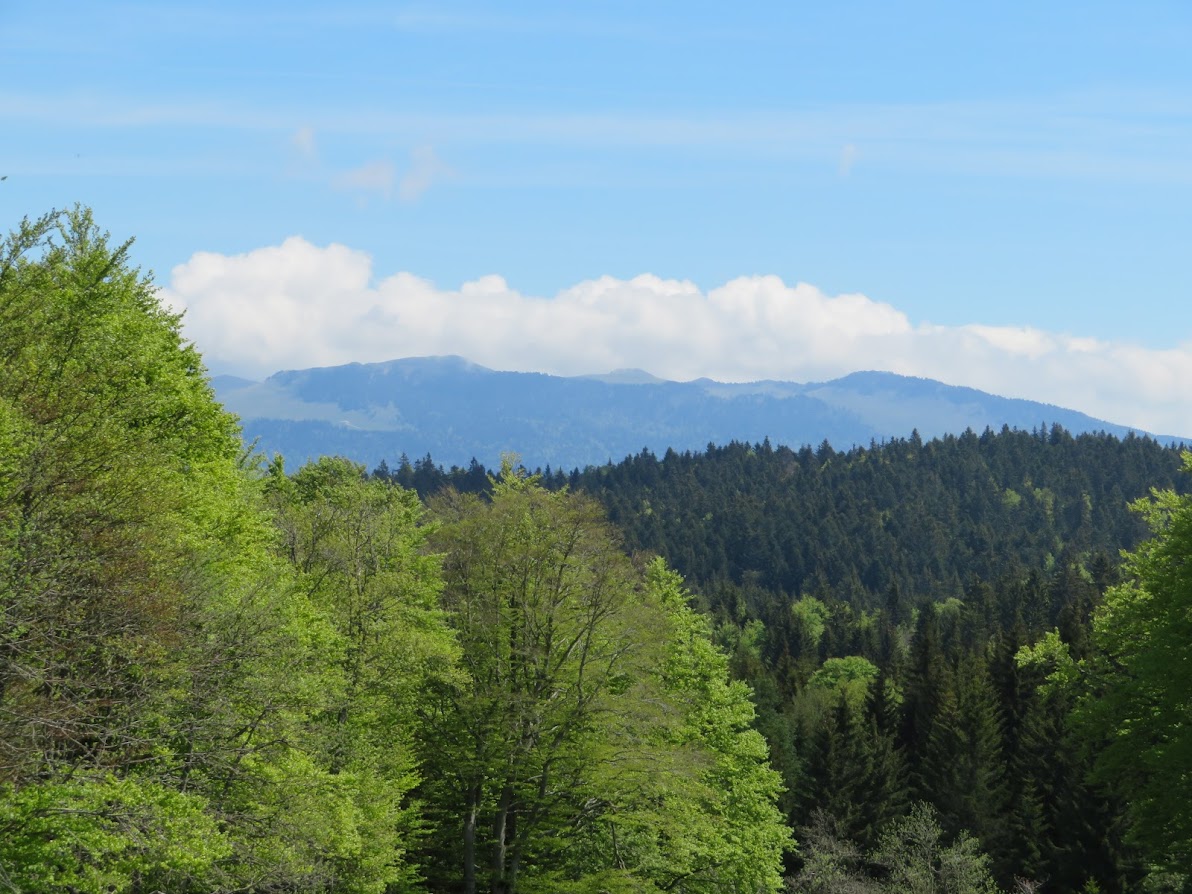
(456, 411)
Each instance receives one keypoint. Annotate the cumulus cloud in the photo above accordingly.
(298, 305)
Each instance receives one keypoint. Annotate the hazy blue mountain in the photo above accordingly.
(456, 411)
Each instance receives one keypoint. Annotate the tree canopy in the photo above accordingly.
(1141, 697)
(216, 676)
(596, 739)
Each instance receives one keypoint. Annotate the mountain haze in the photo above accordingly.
(456, 410)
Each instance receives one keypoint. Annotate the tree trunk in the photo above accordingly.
(470, 841)
(502, 830)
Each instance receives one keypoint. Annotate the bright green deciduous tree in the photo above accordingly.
(597, 743)
(1142, 688)
(112, 446)
(104, 834)
(121, 500)
(357, 547)
(552, 633)
(158, 673)
(849, 677)
(724, 830)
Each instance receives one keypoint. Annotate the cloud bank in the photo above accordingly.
(298, 305)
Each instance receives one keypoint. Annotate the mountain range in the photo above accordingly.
(455, 411)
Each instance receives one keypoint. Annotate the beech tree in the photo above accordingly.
(357, 548)
(551, 634)
(159, 674)
(597, 743)
(1141, 699)
(719, 828)
(121, 498)
(108, 432)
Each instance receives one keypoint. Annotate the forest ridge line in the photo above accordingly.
(457, 411)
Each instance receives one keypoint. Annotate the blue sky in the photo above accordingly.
(1005, 190)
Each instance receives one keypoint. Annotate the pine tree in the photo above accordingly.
(927, 686)
(885, 791)
(961, 770)
(839, 769)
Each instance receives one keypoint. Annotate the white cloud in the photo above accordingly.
(303, 140)
(1020, 340)
(425, 169)
(379, 178)
(299, 305)
(375, 177)
(848, 157)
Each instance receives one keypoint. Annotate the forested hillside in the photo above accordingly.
(897, 611)
(924, 517)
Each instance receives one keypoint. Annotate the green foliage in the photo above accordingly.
(927, 516)
(963, 764)
(850, 677)
(1053, 657)
(111, 435)
(124, 519)
(1140, 697)
(358, 553)
(597, 740)
(914, 854)
(912, 857)
(735, 835)
(214, 679)
(935, 562)
(810, 614)
(104, 834)
(552, 638)
(160, 677)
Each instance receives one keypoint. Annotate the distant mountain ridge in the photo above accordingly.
(455, 411)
